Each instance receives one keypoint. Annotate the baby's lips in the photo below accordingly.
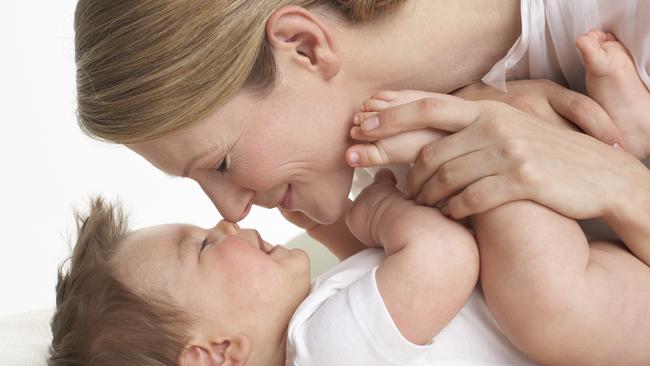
(267, 246)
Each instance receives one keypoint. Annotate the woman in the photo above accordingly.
(253, 100)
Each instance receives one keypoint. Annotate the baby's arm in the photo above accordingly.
(431, 266)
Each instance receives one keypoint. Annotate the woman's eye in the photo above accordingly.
(223, 167)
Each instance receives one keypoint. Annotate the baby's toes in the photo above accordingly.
(386, 95)
(386, 99)
(361, 116)
(599, 36)
(595, 58)
(375, 105)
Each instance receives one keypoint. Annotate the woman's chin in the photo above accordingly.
(330, 216)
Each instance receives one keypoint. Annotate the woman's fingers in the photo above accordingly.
(585, 113)
(474, 138)
(402, 148)
(483, 195)
(440, 111)
(459, 173)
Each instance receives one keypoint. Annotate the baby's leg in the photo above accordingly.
(612, 81)
(558, 299)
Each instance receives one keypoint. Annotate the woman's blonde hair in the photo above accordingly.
(149, 67)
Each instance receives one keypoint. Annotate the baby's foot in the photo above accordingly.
(379, 101)
(401, 148)
(388, 98)
(613, 82)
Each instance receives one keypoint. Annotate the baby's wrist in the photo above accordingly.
(386, 217)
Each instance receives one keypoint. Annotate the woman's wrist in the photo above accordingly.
(629, 206)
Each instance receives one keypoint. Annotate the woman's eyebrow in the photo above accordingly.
(194, 161)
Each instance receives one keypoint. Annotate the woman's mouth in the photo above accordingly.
(285, 204)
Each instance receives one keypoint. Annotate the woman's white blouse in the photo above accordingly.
(549, 29)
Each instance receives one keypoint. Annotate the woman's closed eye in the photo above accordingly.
(223, 166)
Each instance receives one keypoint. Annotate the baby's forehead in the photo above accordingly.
(146, 259)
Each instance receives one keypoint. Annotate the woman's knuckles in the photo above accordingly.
(428, 157)
(514, 150)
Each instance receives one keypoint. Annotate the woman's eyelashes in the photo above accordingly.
(223, 166)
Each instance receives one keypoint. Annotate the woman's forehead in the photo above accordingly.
(174, 152)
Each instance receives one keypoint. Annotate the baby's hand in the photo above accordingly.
(364, 218)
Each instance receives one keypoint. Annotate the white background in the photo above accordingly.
(48, 167)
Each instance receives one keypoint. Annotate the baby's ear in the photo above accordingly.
(225, 352)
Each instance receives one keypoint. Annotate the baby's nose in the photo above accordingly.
(227, 227)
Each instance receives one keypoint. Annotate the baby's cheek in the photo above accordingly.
(240, 260)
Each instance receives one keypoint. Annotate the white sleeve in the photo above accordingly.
(353, 327)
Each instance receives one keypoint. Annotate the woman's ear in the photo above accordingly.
(297, 36)
(224, 352)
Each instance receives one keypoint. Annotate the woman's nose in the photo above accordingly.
(231, 200)
(227, 227)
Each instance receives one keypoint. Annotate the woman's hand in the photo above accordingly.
(552, 103)
(499, 154)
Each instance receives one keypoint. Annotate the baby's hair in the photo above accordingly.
(99, 321)
(146, 68)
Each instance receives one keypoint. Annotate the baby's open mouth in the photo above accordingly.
(264, 246)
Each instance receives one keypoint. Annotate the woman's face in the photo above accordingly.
(285, 150)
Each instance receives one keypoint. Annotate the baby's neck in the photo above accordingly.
(434, 45)
(275, 357)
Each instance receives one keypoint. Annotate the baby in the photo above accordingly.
(538, 269)
(179, 294)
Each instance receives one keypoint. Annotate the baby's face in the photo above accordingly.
(228, 280)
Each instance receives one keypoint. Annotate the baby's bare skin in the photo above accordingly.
(613, 82)
(548, 288)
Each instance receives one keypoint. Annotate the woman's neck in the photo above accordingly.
(434, 45)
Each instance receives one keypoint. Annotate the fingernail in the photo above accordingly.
(419, 199)
(370, 123)
(353, 158)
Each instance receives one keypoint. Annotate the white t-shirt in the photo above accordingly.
(549, 29)
(344, 322)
